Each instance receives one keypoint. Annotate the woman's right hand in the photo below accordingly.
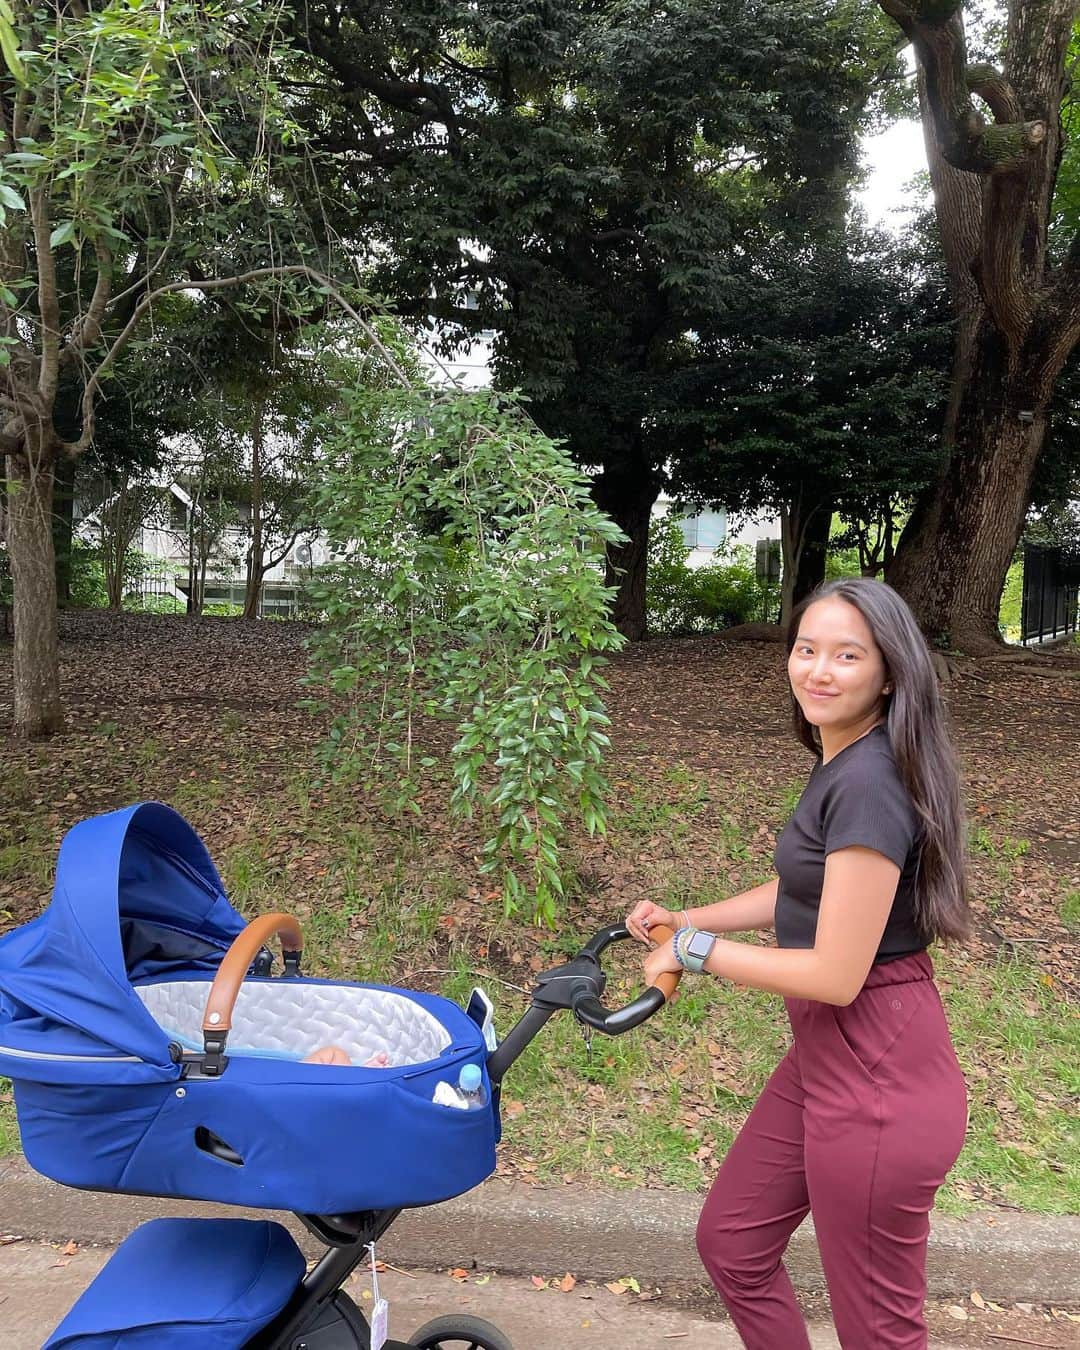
(646, 915)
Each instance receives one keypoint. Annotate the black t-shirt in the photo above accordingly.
(857, 799)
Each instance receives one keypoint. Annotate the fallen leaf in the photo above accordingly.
(538, 1281)
(69, 1248)
(567, 1282)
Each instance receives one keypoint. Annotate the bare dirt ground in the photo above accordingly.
(704, 769)
(164, 702)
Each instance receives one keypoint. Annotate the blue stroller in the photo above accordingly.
(154, 1053)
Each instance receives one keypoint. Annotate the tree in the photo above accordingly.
(126, 506)
(582, 175)
(208, 474)
(1014, 272)
(810, 392)
(465, 588)
(115, 176)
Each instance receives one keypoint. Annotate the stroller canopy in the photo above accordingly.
(137, 927)
(136, 895)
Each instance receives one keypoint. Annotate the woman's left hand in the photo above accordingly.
(660, 962)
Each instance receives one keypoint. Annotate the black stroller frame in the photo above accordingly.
(320, 1315)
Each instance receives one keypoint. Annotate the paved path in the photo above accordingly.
(38, 1285)
(597, 1234)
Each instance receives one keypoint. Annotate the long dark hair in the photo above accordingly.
(915, 720)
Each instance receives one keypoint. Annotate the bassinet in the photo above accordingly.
(101, 1007)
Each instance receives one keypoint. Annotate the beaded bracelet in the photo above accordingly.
(681, 936)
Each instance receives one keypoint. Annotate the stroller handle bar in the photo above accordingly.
(579, 986)
(588, 1009)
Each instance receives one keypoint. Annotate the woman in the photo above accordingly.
(866, 1113)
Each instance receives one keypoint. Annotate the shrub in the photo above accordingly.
(682, 600)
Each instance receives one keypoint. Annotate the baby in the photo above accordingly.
(333, 1054)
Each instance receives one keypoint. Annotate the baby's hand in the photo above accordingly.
(380, 1060)
(327, 1054)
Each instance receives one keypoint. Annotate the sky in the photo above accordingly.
(892, 158)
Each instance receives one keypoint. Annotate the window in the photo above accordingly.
(706, 530)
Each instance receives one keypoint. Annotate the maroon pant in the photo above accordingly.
(859, 1124)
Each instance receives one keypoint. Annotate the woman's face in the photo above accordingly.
(836, 670)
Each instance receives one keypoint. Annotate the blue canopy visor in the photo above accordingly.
(136, 895)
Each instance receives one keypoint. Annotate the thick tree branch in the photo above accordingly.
(432, 102)
(272, 559)
(988, 83)
(88, 329)
(967, 141)
(48, 297)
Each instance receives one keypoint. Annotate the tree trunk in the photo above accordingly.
(112, 545)
(1016, 305)
(191, 572)
(953, 559)
(804, 541)
(64, 527)
(199, 596)
(36, 665)
(255, 568)
(627, 497)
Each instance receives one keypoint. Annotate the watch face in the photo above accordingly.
(700, 945)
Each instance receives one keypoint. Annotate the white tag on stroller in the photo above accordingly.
(380, 1324)
(380, 1313)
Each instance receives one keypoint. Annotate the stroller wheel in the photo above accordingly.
(460, 1333)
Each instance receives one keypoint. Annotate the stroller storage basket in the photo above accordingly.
(99, 996)
(198, 1283)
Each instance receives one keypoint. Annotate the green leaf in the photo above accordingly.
(11, 198)
(9, 46)
(63, 232)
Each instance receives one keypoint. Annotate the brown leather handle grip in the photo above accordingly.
(669, 981)
(237, 960)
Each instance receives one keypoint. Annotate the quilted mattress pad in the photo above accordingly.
(291, 1018)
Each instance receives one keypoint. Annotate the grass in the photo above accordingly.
(1019, 1043)
(674, 1095)
(663, 1103)
(9, 1129)
(667, 804)
(1002, 852)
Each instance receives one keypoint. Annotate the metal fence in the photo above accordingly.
(158, 590)
(1050, 607)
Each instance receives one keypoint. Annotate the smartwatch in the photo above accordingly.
(697, 949)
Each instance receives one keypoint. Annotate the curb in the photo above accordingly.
(520, 1229)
